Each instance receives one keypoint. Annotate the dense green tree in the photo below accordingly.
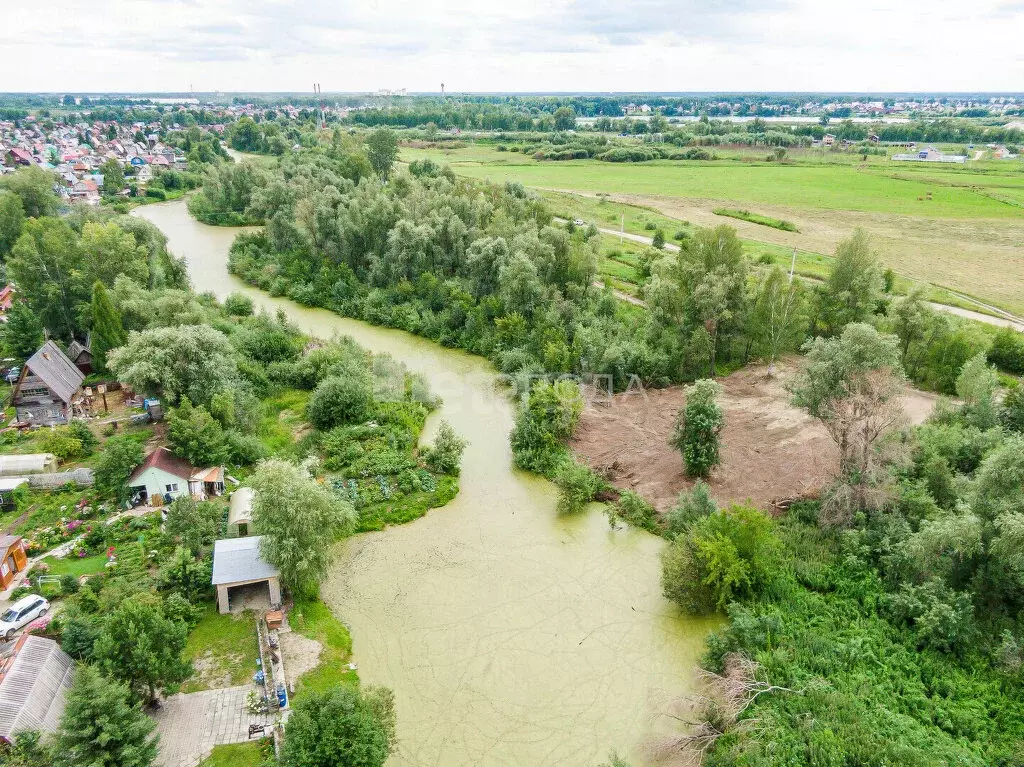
(12, 219)
(340, 399)
(382, 151)
(976, 386)
(194, 361)
(113, 176)
(698, 425)
(195, 435)
(108, 251)
(120, 455)
(184, 574)
(35, 188)
(107, 330)
(713, 276)
(27, 748)
(141, 646)
(565, 118)
(299, 520)
(445, 455)
(194, 524)
(342, 726)
(101, 727)
(853, 287)
(47, 265)
(778, 320)
(544, 423)
(23, 333)
(724, 556)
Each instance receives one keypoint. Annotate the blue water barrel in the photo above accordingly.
(282, 696)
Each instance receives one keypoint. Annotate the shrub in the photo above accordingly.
(692, 506)
(637, 512)
(339, 400)
(731, 554)
(577, 486)
(445, 455)
(697, 428)
(1007, 351)
(238, 305)
(62, 444)
(69, 584)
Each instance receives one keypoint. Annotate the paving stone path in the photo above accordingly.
(191, 725)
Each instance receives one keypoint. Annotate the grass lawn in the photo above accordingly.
(283, 417)
(77, 566)
(799, 185)
(223, 650)
(313, 619)
(249, 754)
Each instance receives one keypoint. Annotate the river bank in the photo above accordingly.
(509, 635)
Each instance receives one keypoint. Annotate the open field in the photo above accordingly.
(964, 238)
(798, 185)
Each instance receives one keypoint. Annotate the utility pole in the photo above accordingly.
(319, 94)
(792, 267)
(622, 229)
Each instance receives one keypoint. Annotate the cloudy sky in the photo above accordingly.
(512, 45)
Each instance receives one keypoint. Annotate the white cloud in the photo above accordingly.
(485, 45)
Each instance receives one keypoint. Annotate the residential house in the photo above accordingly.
(6, 298)
(828, 139)
(87, 191)
(35, 677)
(236, 563)
(13, 558)
(143, 174)
(81, 355)
(163, 476)
(18, 156)
(46, 386)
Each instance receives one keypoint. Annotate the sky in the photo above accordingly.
(512, 45)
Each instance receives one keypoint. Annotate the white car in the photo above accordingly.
(579, 222)
(22, 613)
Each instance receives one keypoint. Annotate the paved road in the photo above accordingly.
(1007, 320)
(191, 725)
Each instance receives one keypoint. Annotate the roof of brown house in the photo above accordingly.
(53, 367)
(162, 458)
(6, 541)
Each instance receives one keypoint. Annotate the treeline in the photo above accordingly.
(56, 262)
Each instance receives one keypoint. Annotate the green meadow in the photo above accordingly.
(875, 188)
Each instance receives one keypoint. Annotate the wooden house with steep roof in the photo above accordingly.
(46, 387)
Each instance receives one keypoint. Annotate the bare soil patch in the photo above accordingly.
(213, 673)
(771, 450)
(301, 654)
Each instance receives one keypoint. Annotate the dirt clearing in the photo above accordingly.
(770, 449)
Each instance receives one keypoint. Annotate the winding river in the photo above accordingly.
(511, 636)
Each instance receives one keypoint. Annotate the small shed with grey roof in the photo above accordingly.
(46, 386)
(237, 562)
(34, 684)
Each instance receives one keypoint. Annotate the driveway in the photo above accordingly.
(191, 725)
